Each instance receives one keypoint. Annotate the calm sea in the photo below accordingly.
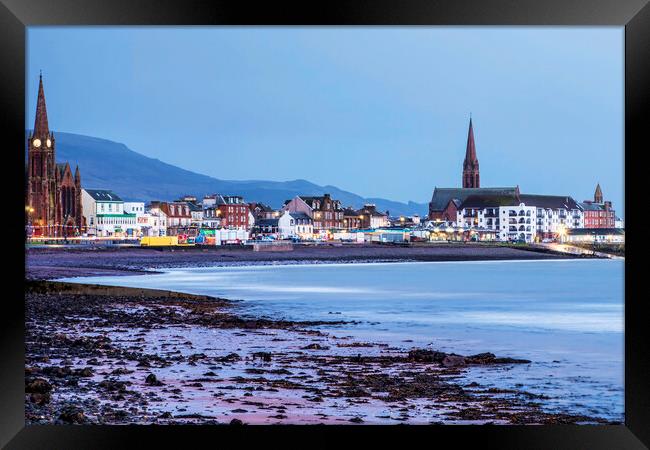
(565, 316)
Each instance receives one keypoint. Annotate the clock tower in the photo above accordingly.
(41, 171)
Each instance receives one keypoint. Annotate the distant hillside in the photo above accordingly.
(106, 164)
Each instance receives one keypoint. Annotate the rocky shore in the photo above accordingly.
(51, 263)
(113, 355)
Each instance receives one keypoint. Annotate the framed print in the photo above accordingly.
(291, 223)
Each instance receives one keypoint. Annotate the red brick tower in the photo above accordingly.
(598, 195)
(471, 178)
(41, 171)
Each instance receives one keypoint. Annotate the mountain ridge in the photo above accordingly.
(106, 164)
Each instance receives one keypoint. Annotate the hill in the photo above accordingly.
(106, 164)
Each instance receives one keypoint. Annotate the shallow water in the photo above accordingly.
(566, 316)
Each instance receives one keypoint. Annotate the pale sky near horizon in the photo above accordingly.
(379, 111)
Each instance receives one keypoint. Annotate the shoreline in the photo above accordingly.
(67, 263)
(123, 355)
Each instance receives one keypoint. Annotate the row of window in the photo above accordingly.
(114, 221)
(102, 208)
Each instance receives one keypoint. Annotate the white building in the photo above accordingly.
(154, 222)
(105, 215)
(295, 224)
(521, 217)
(555, 214)
(505, 216)
(371, 218)
(136, 208)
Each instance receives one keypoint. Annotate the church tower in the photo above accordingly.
(41, 170)
(471, 178)
(598, 195)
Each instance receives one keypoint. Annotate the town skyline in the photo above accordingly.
(415, 173)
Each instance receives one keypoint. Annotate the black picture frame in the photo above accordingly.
(634, 15)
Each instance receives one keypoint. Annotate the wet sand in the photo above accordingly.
(51, 263)
(114, 355)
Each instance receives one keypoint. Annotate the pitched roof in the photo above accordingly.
(194, 206)
(309, 200)
(261, 206)
(488, 201)
(350, 212)
(103, 195)
(549, 201)
(442, 196)
(590, 206)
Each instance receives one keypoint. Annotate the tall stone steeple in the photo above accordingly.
(471, 177)
(598, 195)
(41, 129)
(41, 168)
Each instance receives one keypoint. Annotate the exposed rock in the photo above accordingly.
(231, 357)
(423, 355)
(85, 372)
(490, 358)
(315, 346)
(38, 385)
(72, 414)
(40, 399)
(151, 380)
(264, 356)
(453, 361)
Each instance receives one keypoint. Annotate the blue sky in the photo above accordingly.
(380, 111)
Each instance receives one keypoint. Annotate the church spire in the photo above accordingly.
(41, 128)
(598, 195)
(470, 165)
(470, 151)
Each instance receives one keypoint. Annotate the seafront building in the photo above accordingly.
(325, 212)
(371, 218)
(351, 219)
(155, 221)
(262, 211)
(598, 213)
(295, 225)
(234, 212)
(105, 214)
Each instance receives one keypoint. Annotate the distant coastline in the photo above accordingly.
(53, 263)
